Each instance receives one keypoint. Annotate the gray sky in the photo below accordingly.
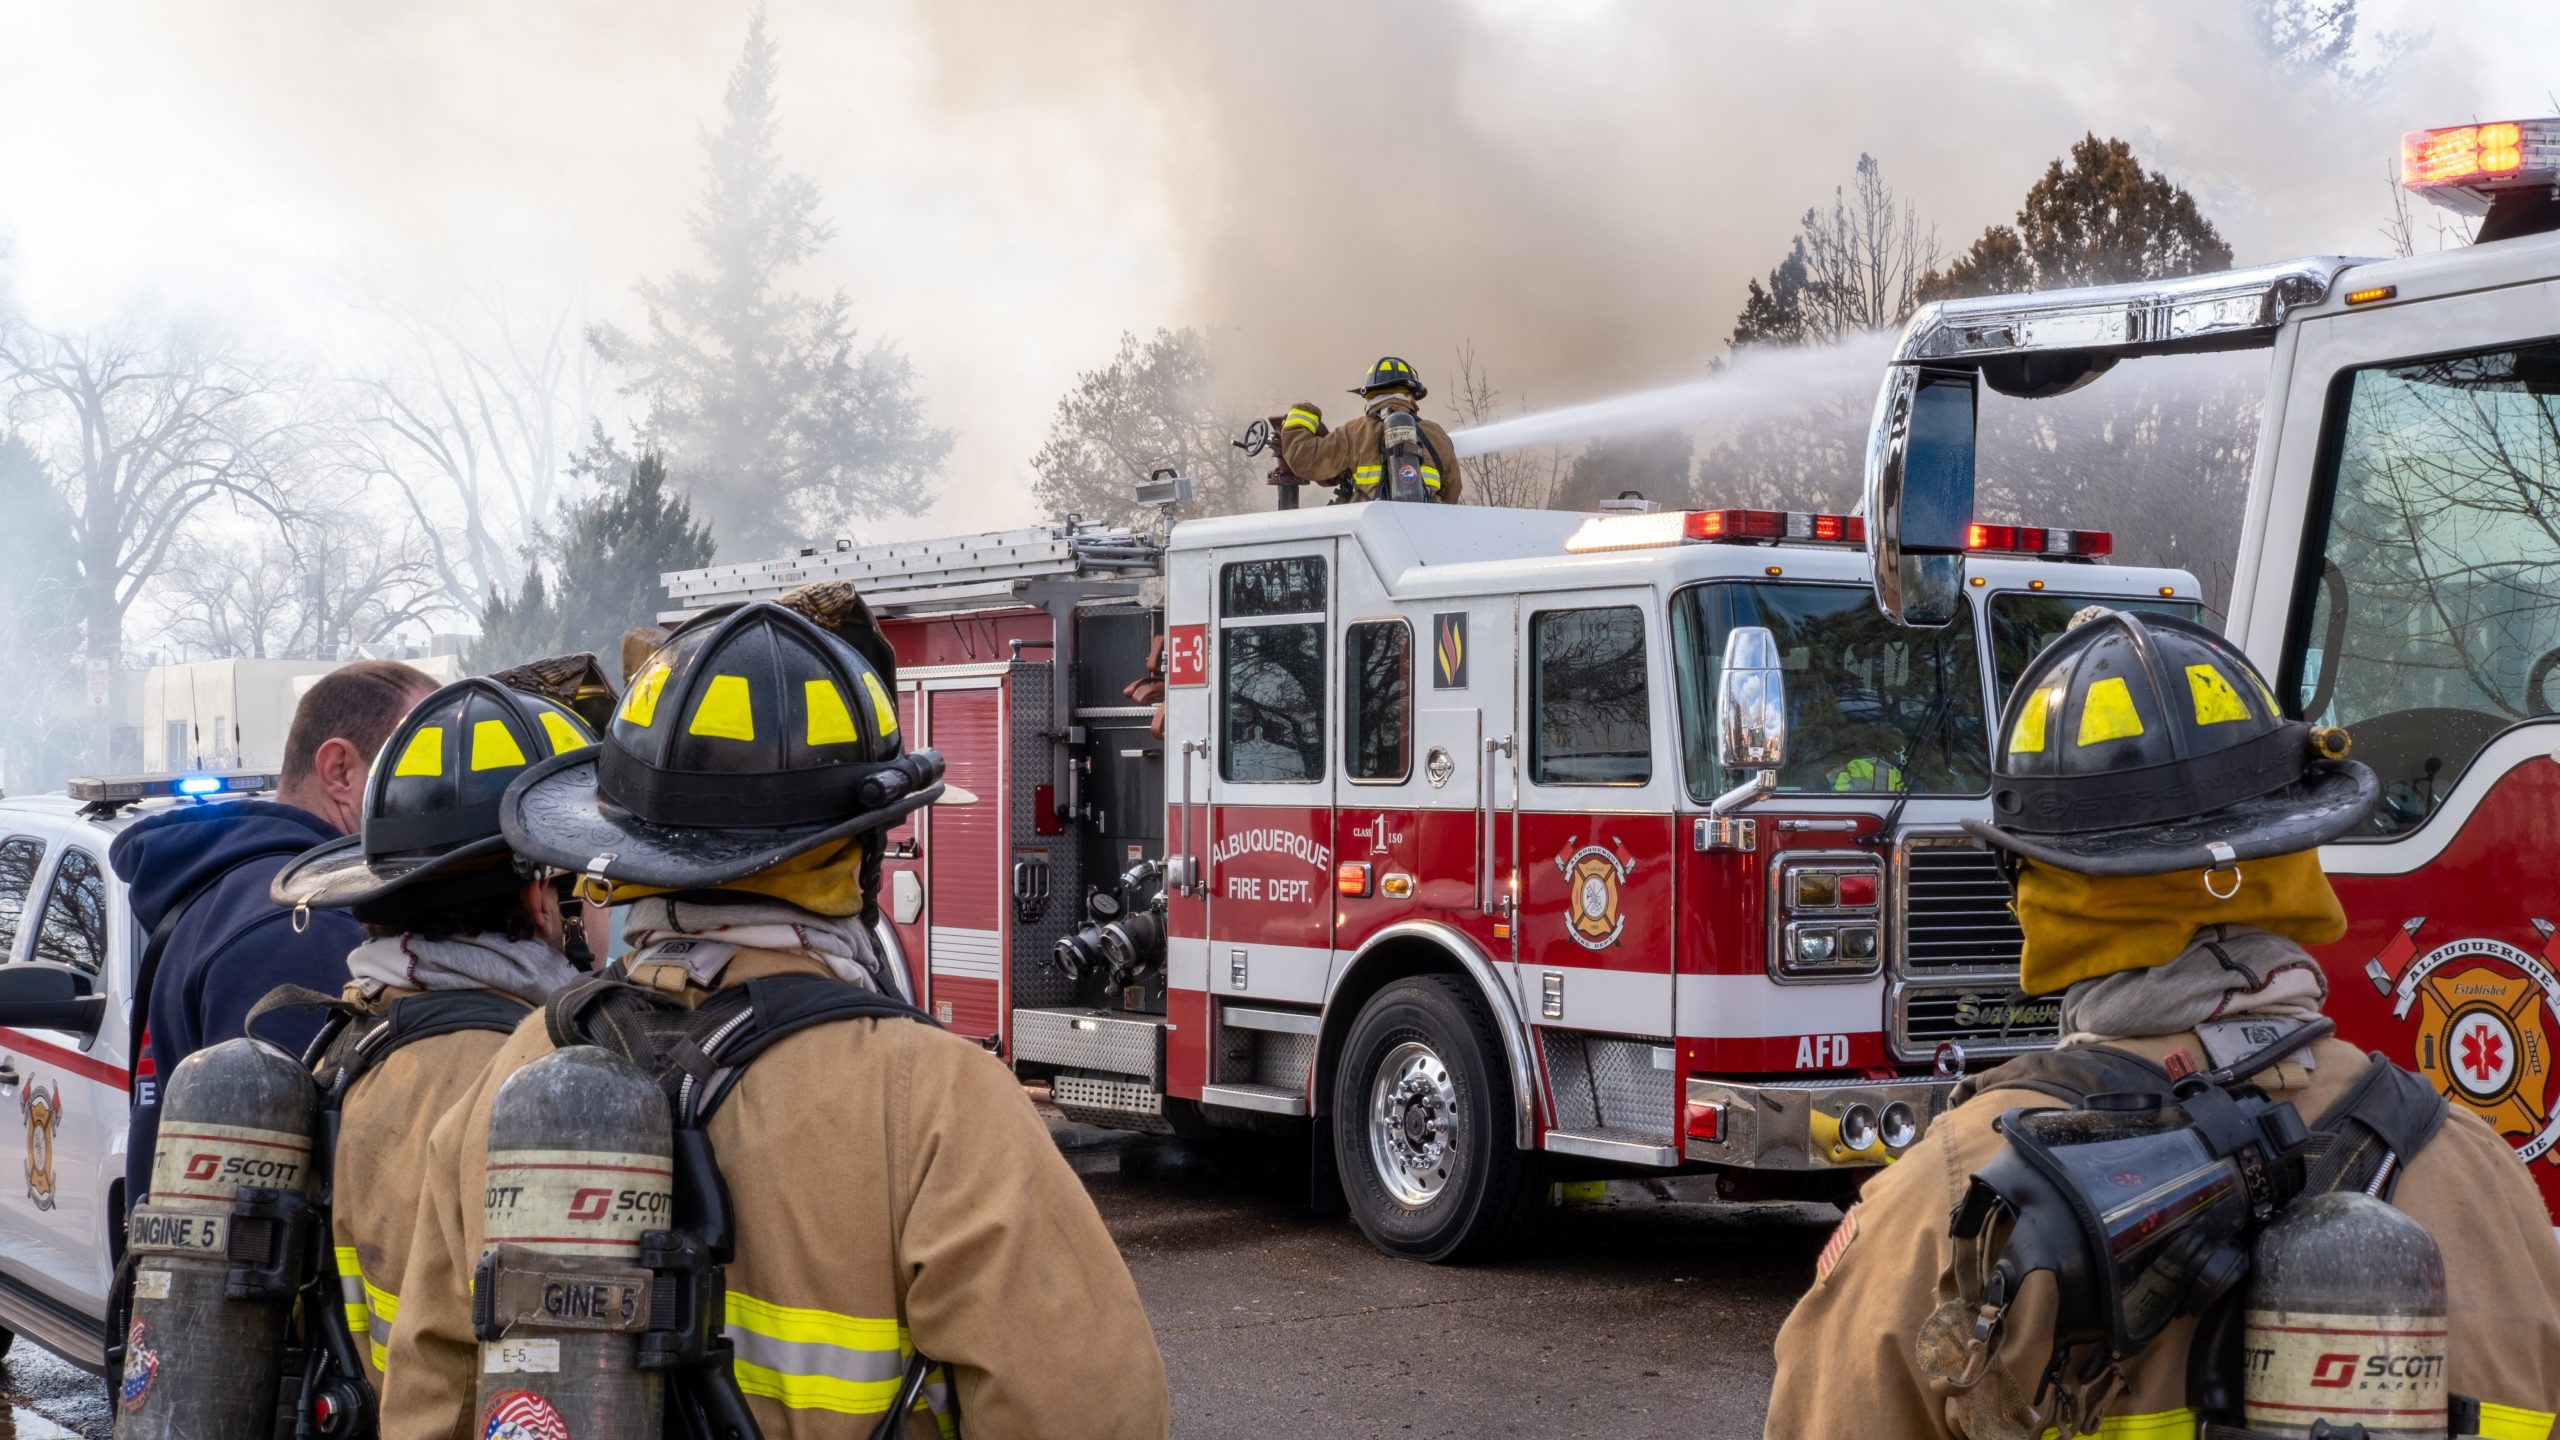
(1581, 187)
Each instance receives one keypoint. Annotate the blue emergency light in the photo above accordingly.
(200, 785)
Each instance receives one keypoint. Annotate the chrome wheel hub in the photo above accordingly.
(1413, 1124)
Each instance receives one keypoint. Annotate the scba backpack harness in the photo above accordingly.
(697, 1055)
(2141, 1198)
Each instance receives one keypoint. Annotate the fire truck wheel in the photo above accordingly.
(1422, 1127)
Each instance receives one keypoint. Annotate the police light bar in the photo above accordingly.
(114, 790)
(2463, 167)
(2039, 540)
(1724, 527)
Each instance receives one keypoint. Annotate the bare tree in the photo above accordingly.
(1525, 478)
(471, 427)
(1149, 408)
(1852, 270)
(325, 586)
(141, 428)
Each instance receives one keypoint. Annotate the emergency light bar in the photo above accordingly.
(119, 790)
(2039, 540)
(1727, 526)
(2469, 162)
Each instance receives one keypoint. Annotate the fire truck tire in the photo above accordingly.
(1422, 1128)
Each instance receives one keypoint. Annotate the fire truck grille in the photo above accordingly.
(1608, 1084)
(1956, 911)
(1986, 1019)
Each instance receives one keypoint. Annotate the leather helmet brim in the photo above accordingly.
(2332, 798)
(553, 815)
(335, 875)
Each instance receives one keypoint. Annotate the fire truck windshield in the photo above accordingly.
(1871, 706)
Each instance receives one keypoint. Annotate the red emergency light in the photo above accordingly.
(2039, 540)
(1775, 525)
(2502, 171)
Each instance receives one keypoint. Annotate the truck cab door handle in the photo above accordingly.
(8, 1076)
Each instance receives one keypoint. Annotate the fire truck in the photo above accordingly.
(1482, 846)
(2398, 574)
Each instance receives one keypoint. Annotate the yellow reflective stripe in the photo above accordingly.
(2107, 712)
(2160, 1425)
(351, 1290)
(2512, 1422)
(382, 1358)
(1365, 475)
(564, 736)
(425, 755)
(814, 1327)
(815, 1392)
(726, 711)
(494, 747)
(1301, 418)
(830, 723)
(641, 705)
(1431, 476)
(384, 1304)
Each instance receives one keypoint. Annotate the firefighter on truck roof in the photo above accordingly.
(463, 940)
(1387, 453)
(2160, 821)
(893, 1193)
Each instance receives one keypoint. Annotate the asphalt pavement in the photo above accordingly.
(1631, 1317)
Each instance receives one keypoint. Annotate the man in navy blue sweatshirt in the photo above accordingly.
(233, 944)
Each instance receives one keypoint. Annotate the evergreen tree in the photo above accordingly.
(760, 393)
(605, 554)
(2095, 218)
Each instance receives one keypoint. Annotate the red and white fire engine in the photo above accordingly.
(2398, 574)
(1495, 845)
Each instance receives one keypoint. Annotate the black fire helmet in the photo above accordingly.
(751, 736)
(431, 803)
(2148, 744)
(1391, 373)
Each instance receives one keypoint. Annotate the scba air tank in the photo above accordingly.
(580, 1168)
(217, 1246)
(2346, 1323)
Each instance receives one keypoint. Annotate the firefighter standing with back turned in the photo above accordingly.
(464, 940)
(893, 1191)
(1388, 453)
(2162, 822)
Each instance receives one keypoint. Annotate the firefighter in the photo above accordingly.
(2161, 821)
(1388, 453)
(463, 940)
(891, 1188)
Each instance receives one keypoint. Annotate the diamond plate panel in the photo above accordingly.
(1569, 1079)
(1112, 1104)
(1634, 1096)
(1091, 1040)
(1282, 1059)
(1029, 765)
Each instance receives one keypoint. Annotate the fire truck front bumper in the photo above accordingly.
(1808, 1124)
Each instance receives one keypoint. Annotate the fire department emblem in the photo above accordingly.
(41, 1108)
(2484, 1012)
(1592, 876)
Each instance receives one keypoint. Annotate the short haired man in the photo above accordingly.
(232, 944)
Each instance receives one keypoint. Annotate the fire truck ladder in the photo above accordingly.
(969, 572)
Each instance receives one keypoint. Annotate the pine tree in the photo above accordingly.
(607, 553)
(760, 393)
(2099, 219)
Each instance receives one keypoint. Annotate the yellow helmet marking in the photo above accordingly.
(2108, 713)
(2216, 701)
(727, 711)
(830, 723)
(2027, 736)
(564, 736)
(425, 755)
(494, 747)
(883, 709)
(641, 705)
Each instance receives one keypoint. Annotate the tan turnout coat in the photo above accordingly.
(381, 1165)
(1846, 1362)
(893, 1191)
(1330, 458)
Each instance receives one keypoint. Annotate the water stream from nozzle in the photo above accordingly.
(1755, 381)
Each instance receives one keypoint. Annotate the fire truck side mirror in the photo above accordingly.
(1920, 492)
(1751, 702)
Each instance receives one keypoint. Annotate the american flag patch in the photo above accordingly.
(1836, 1246)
